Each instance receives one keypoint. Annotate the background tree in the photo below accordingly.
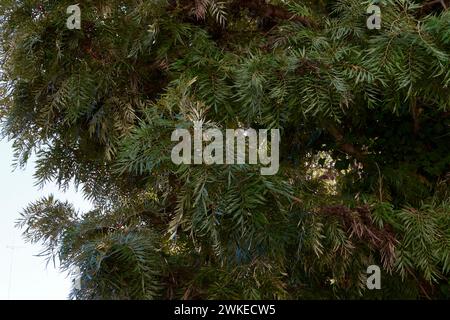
(365, 152)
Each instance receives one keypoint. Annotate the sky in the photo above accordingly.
(23, 275)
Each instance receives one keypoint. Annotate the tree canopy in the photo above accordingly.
(364, 117)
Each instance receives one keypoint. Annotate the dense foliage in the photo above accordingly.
(365, 144)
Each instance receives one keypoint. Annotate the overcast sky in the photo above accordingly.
(22, 274)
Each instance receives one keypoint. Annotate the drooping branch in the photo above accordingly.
(416, 111)
(360, 225)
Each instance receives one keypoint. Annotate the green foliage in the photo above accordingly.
(365, 155)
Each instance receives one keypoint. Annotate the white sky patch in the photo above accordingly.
(23, 275)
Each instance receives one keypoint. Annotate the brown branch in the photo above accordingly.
(359, 224)
(348, 148)
(430, 3)
(264, 10)
(415, 111)
(434, 6)
(257, 8)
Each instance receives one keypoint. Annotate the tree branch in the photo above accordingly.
(430, 3)
(264, 10)
(348, 148)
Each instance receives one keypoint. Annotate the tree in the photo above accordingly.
(364, 162)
